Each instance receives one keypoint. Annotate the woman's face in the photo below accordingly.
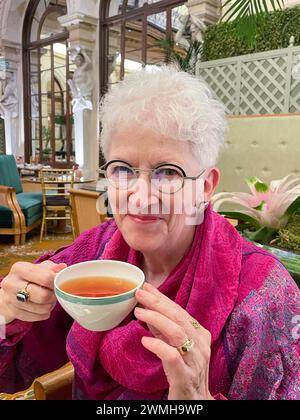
(147, 218)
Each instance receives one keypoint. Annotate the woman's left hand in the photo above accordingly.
(172, 327)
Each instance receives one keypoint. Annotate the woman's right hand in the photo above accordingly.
(40, 281)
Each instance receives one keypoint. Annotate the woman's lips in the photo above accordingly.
(144, 219)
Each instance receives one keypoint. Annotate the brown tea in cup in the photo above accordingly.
(97, 286)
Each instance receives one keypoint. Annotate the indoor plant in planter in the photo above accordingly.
(269, 216)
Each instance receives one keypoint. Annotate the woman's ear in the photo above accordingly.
(211, 182)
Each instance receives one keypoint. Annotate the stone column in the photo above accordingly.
(14, 133)
(209, 11)
(83, 35)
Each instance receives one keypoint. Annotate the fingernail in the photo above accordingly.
(138, 310)
(149, 287)
(139, 292)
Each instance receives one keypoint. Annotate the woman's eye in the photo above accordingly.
(167, 172)
(122, 170)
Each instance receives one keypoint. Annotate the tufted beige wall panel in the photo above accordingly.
(264, 146)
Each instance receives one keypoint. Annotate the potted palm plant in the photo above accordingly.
(269, 216)
(184, 60)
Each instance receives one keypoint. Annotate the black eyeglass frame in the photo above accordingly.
(103, 170)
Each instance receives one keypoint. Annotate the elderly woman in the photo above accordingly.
(217, 317)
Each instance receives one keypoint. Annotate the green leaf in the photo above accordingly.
(246, 29)
(261, 187)
(263, 235)
(240, 216)
(258, 184)
(241, 8)
(252, 180)
(293, 208)
(186, 61)
(260, 206)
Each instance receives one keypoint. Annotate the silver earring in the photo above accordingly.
(204, 203)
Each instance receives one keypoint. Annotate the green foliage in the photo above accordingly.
(272, 31)
(46, 136)
(294, 208)
(264, 235)
(247, 220)
(289, 237)
(245, 8)
(185, 61)
(61, 119)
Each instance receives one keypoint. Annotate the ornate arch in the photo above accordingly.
(45, 58)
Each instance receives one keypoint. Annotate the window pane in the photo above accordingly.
(40, 10)
(133, 45)
(59, 106)
(45, 82)
(34, 62)
(48, 99)
(60, 75)
(114, 57)
(60, 141)
(60, 54)
(135, 4)
(46, 138)
(45, 58)
(178, 14)
(34, 90)
(35, 107)
(115, 7)
(51, 26)
(156, 38)
(35, 136)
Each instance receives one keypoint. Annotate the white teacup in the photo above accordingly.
(99, 313)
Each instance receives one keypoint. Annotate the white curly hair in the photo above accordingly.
(170, 102)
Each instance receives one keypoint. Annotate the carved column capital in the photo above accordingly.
(82, 29)
(209, 11)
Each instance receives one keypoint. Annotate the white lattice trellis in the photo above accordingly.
(255, 84)
(223, 79)
(295, 96)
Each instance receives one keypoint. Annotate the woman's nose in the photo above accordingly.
(142, 195)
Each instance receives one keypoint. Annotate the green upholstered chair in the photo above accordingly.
(20, 211)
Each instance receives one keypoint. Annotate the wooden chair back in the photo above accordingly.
(56, 183)
(85, 203)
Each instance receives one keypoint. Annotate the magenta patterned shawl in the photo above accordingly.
(209, 282)
(242, 295)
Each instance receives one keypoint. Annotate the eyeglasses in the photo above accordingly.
(166, 178)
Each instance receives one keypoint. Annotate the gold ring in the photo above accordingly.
(186, 347)
(23, 295)
(195, 324)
